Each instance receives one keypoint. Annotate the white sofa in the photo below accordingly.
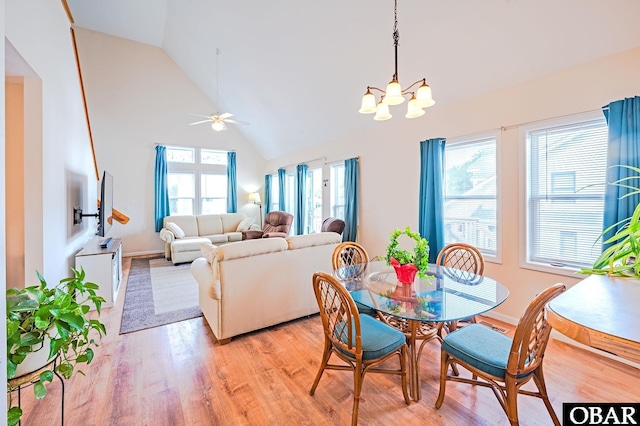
(258, 283)
(214, 228)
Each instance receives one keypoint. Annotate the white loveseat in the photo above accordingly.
(213, 228)
(255, 284)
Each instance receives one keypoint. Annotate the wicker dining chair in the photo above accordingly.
(360, 341)
(348, 253)
(502, 363)
(465, 258)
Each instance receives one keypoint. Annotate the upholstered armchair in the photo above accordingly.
(276, 224)
(331, 224)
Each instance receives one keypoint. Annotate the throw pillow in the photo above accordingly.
(245, 224)
(208, 251)
(177, 231)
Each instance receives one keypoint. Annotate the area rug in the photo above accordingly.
(158, 293)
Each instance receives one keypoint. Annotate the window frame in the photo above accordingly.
(197, 169)
(479, 138)
(524, 188)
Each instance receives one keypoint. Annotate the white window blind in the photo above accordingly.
(566, 182)
(470, 194)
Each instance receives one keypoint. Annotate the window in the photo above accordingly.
(566, 168)
(470, 193)
(197, 180)
(313, 221)
(336, 193)
(275, 193)
(290, 193)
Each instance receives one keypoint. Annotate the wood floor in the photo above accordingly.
(179, 375)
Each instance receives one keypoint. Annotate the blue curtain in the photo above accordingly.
(267, 193)
(232, 183)
(351, 196)
(431, 199)
(301, 197)
(161, 187)
(623, 119)
(282, 176)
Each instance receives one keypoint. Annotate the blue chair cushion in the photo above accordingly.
(479, 346)
(378, 339)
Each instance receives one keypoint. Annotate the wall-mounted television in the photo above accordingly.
(105, 213)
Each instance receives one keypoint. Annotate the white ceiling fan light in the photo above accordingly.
(218, 120)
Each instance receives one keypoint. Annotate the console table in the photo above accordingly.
(601, 312)
(102, 266)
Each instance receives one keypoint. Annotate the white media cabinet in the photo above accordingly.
(102, 266)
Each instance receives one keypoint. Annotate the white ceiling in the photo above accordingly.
(296, 70)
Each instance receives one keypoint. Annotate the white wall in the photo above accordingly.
(3, 262)
(39, 32)
(390, 166)
(138, 97)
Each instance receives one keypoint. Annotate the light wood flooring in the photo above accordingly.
(178, 375)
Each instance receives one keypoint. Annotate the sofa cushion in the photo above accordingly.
(217, 238)
(177, 231)
(245, 224)
(187, 223)
(310, 240)
(209, 224)
(230, 221)
(188, 244)
(233, 236)
(250, 248)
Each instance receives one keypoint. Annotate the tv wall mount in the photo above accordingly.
(78, 215)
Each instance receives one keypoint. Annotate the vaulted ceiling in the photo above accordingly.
(296, 70)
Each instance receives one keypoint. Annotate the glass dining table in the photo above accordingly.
(444, 295)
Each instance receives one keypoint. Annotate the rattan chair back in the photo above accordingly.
(348, 253)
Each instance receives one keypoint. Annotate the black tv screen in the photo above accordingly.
(105, 214)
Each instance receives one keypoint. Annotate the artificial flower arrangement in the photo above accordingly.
(408, 263)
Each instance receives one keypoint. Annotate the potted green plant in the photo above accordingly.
(622, 256)
(408, 263)
(57, 315)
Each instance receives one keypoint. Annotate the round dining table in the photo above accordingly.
(443, 295)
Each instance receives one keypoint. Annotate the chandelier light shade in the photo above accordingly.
(395, 94)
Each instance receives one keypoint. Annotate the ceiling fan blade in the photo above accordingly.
(205, 116)
(226, 115)
(243, 123)
(200, 122)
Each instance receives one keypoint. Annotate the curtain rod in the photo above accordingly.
(513, 126)
(199, 147)
(311, 161)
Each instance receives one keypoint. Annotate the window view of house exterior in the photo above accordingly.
(470, 194)
(197, 180)
(566, 183)
(336, 193)
(313, 220)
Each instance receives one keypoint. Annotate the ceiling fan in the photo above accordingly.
(218, 120)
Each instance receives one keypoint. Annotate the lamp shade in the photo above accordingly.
(413, 109)
(382, 112)
(423, 96)
(254, 197)
(368, 103)
(393, 94)
(218, 125)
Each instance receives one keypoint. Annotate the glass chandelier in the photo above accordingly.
(394, 95)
